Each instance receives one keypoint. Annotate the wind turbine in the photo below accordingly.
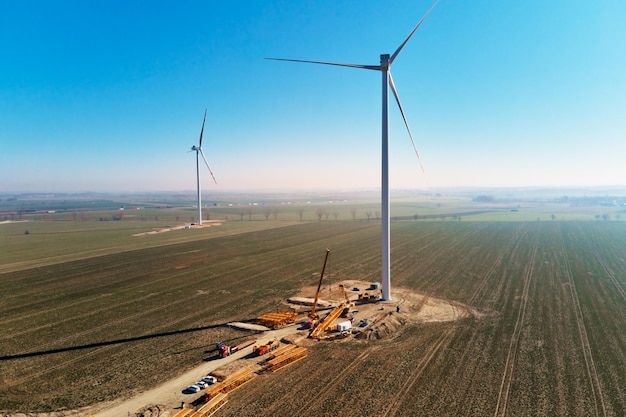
(199, 152)
(385, 63)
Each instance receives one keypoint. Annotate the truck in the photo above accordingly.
(226, 350)
(266, 347)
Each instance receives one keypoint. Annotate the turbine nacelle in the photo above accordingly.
(384, 62)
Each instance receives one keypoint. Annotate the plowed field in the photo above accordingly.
(549, 339)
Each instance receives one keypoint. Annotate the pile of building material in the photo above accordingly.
(229, 384)
(279, 319)
(212, 405)
(185, 412)
(207, 409)
(284, 357)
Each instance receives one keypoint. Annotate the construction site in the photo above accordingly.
(328, 312)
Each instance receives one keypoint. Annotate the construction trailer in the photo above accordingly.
(343, 326)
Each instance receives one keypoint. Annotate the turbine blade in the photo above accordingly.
(395, 94)
(202, 131)
(395, 54)
(207, 165)
(369, 67)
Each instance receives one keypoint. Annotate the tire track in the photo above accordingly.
(592, 373)
(444, 339)
(610, 273)
(442, 251)
(509, 366)
(396, 402)
(330, 387)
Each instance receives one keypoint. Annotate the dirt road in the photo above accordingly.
(170, 393)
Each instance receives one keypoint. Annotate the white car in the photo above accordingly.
(201, 384)
(192, 388)
(209, 379)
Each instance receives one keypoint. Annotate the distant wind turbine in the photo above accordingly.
(199, 152)
(385, 63)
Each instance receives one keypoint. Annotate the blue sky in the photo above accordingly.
(109, 95)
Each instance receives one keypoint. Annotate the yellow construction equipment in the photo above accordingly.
(313, 316)
(368, 298)
(327, 322)
(346, 310)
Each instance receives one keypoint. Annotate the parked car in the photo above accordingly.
(192, 388)
(209, 379)
(202, 384)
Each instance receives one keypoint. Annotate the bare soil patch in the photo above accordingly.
(207, 223)
(386, 318)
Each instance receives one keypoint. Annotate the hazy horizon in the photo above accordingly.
(396, 193)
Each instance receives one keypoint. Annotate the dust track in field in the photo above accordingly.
(397, 400)
(329, 388)
(509, 367)
(592, 373)
(445, 338)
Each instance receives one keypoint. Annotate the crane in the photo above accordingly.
(313, 316)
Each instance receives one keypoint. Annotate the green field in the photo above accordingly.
(90, 312)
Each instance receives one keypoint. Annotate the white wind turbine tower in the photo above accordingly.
(199, 152)
(385, 63)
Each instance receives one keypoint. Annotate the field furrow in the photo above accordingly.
(509, 366)
(592, 373)
(546, 336)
